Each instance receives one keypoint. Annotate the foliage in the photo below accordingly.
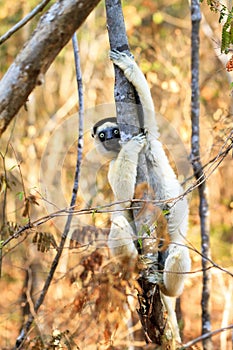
(226, 18)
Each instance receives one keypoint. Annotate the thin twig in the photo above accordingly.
(221, 154)
(23, 21)
(3, 156)
(90, 211)
(214, 264)
(22, 180)
(206, 336)
(21, 337)
(103, 209)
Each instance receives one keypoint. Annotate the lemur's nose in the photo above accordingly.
(108, 135)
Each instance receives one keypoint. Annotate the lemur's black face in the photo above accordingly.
(107, 134)
(110, 138)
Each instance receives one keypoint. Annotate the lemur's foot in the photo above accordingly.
(156, 278)
(122, 60)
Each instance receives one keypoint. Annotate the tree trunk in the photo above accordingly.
(130, 119)
(124, 92)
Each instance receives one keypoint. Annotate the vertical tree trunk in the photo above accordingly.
(198, 171)
(130, 119)
(124, 92)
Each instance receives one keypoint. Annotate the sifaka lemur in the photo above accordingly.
(122, 178)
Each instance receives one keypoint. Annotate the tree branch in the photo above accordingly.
(53, 31)
(23, 21)
(198, 172)
(206, 336)
(57, 257)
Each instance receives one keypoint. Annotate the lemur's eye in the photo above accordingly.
(116, 131)
(101, 135)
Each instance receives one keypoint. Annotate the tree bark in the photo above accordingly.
(130, 119)
(124, 92)
(53, 31)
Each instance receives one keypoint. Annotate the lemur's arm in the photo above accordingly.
(122, 178)
(123, 170)
(137, 78)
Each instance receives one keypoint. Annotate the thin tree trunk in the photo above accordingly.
(130, 119)
(53, 31)
(124, 92)
(199, 173)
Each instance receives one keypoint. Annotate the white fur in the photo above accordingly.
(165, 184)
(120, 240)
(123, 170)
(122, 177)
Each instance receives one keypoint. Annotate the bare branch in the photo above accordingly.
(220, 156)
(57, 257)
(198, 171)
(53, 31)
(22, 180)
(23, 21)
(206, 336)
(105, 208)
(98, 210)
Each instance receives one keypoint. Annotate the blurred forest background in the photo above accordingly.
(86, 307)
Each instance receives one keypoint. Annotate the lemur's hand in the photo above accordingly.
(135, 144)
(139, 141)
(140, 138)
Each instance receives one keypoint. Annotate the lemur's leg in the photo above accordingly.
(121, 241)
(123, 171)
(170, 307)
(176, 265)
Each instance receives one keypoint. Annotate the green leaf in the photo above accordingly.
(13, 166)
(93, 213)
(20, 195)
(166, 212)
(140, 243)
